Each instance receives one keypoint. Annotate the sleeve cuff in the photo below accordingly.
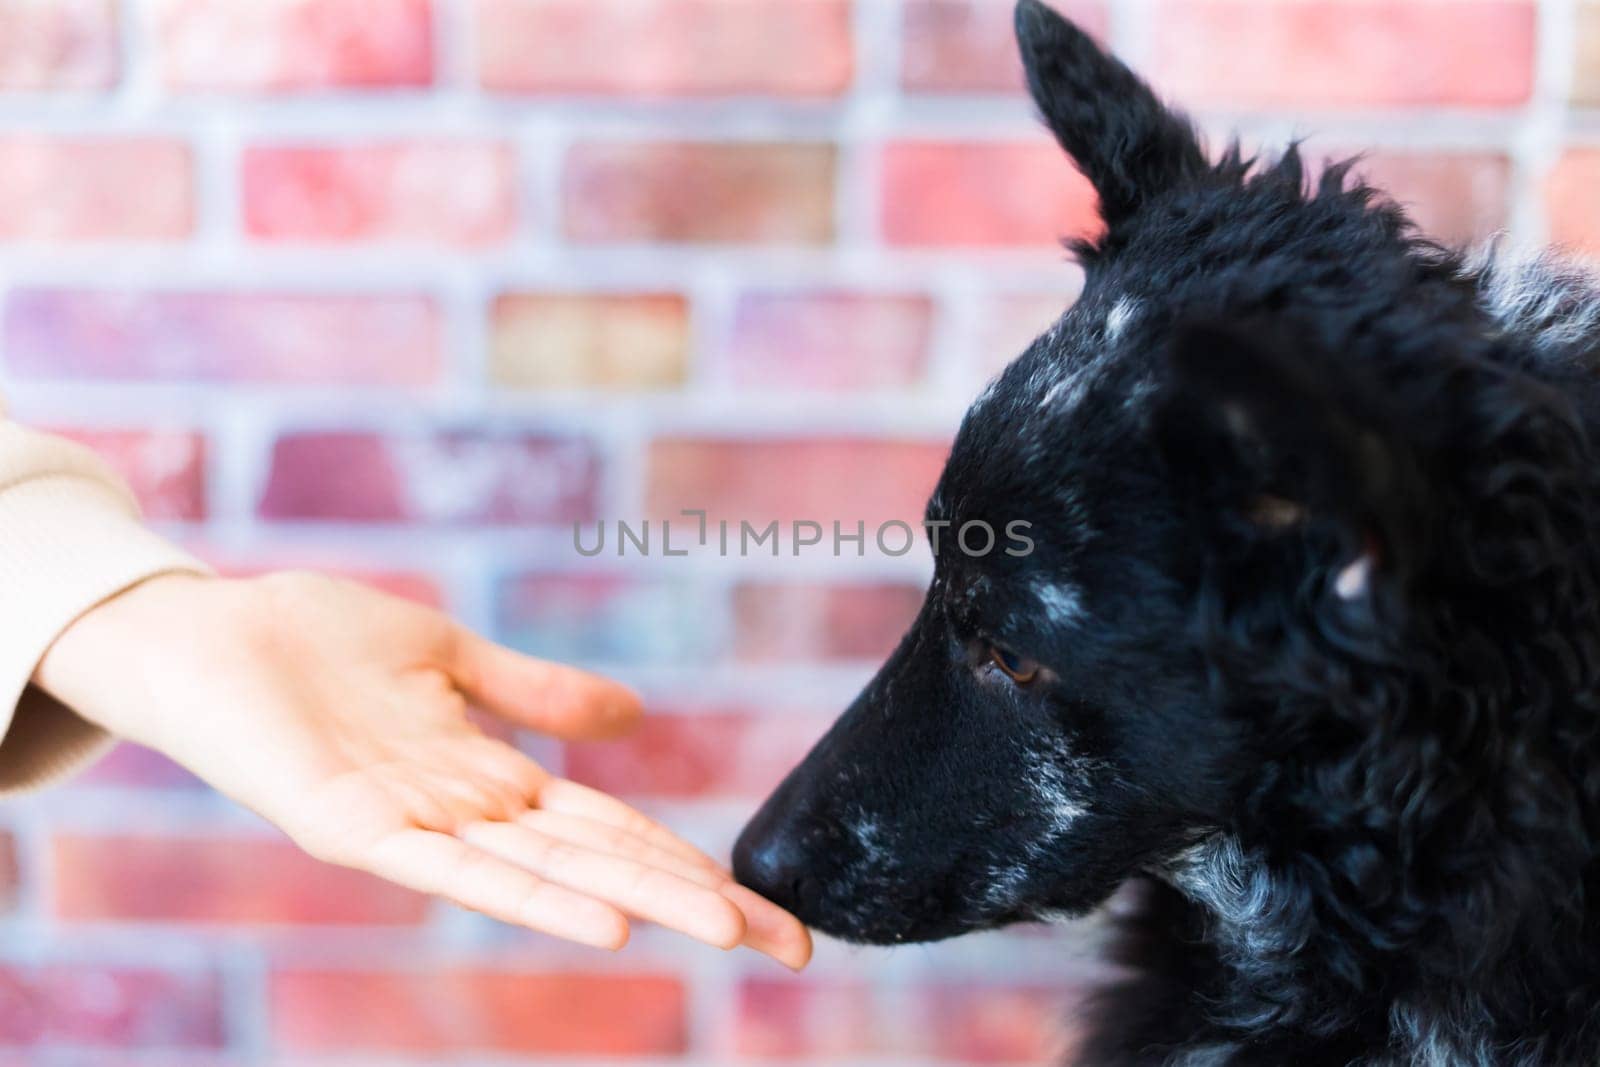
(67, 542)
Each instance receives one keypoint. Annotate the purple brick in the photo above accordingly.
(107, 1007)
(831, 340)
(442, 478)
(296, 338)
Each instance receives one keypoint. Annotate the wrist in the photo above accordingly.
(106, 664)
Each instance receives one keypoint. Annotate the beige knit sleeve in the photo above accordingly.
(70, 538)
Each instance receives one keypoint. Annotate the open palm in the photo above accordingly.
(340, 715)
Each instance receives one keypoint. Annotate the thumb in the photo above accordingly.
(547, 697)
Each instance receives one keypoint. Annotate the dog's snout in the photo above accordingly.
(769, 859)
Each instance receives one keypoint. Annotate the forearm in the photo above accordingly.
(69, 539)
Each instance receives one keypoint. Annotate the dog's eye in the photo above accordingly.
(1019, 670)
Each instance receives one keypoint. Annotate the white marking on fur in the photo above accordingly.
(1069, 390)
(869, 839)
(1454, 1038)
(1056, 777)
(1551, 300)
(1353, 580)
(1061, 603)
(1122, 313)
(1059, 796)
(1236, 888)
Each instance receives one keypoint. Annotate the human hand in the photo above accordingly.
(340, 715)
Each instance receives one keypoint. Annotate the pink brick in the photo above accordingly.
(444, 478)
(446, 192)
(294, 45)
(106, 1007)
(789, 623)
(983, 194)
(551, 1013)
(1345, 53)
(830, 340)
(95, 189)
(1586, 75)
(968, 46)
(850, 480)
(699, 755)
(652, 48)
(213, 879)
(59, 45)
(1457, 197)
(134, 766)
(1570, 199)
(1013, 321)
(165, 469)
(295, 338)
(756, 193)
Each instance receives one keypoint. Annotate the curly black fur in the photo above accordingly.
(1316, 604)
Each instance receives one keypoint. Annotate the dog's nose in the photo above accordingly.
(770, 861)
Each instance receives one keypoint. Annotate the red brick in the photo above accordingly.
(1457, 197)
(165, 469)
(809, 1021)
(759, 193)
(294, 338)
(830, 340)
(213, 879)
(818, 1020)
(846, 479)
(1570, 197)
(968, 46)
(1345, 53)
(589, 340)
(446, 192)
(447, 477)
(60, 45)
(777, 623)
(294, 45)
(654, 48)
(699, 755)
(996, 1024)
(983, 194)
(557, 1014)
(103, 1007)
(95, 189)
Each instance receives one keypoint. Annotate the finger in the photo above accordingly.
(559, 794)
(447, 867)
(636, 888)
(548, 697)
(769, 929)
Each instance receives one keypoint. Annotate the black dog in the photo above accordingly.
(1308, 644)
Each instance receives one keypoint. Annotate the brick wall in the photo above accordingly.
(401, 288)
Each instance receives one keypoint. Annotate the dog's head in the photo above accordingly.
(1237, 454)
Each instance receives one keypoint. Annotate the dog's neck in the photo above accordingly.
(1257, 922)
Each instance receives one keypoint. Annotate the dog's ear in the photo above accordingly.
(1125, 140)
(1274, 445)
